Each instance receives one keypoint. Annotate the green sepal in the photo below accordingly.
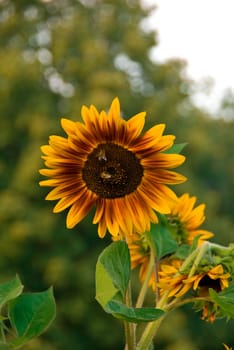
(130, 314)
(182, 252)
(161, 238)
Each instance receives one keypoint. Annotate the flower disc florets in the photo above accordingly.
(106, 162)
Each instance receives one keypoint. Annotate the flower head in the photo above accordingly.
(106, 162)
(180, 283)
(187, 219)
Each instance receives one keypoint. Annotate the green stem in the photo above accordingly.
(188, 261)
(150, 331)
(221, 250)
(177, 303)
(198, 258)
(145, 284)
(155, 262)
(129, 327)
(157, 289)
(152, 327)
(128, 336)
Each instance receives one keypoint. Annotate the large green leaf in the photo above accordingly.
(163, 242)
(105, 289)
(10, 290)
(130, 314)
(30, 315)
(225, 300)
(112, 271)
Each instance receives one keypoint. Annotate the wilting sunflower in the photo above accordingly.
(215, 278)
(180, 284)
(187, 219)
(107, 162)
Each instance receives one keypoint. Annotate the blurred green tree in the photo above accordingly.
(56, 56)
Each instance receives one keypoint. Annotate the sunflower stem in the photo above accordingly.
(221, 250)
(153, 255)
(148, 335)
(202, 249)
(188, 261)
(128, 337)
(157, 290)
(177, 303)
(144, 288)
(152, 327)
(129, 327)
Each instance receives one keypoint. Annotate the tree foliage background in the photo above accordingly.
(56, 56)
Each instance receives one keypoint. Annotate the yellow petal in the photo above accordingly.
(135, 126)
(68, 126)
(79, 210)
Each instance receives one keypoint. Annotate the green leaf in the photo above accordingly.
(114, 274)
(136, 315)
(183, 251)
(162, 239)
(176, 148)
(225, 300)
(105, 289)
(10, 290)
(31, 314)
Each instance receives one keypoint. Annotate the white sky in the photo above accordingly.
(202, 32)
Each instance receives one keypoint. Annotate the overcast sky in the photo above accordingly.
(200, 31)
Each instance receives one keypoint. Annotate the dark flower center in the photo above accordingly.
(112, 171)
(207, 282)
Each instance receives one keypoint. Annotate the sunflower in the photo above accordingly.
(215, 278)
(187, 219)
(106, 162)
(179, 284)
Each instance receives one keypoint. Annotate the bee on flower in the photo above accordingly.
(107, 163)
